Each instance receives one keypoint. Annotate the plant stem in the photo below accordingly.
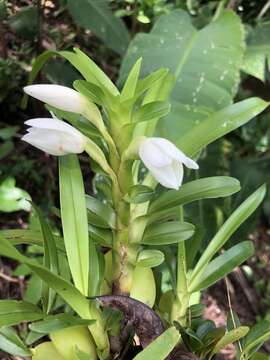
(181, 303)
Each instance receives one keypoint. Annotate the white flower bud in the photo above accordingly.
(61, 97)
(165, 161)
(54, 136)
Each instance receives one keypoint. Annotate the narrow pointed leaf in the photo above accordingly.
(205, 188)
(219, 124)
(66, 290)
(74, 220)
(50, 259)
(90, 90)
(227, 229)
(170, 232)
(229, 338)
(257, 335)
(152, 110)
(100, 214)
(160, 348)
(223, 265)
(13, 312)
(131, 82)
(31, 237)
(58, 322)
(12, 344)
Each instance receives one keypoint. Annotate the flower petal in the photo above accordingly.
(54, 142)
(50, 146)
(171, 150)
(168, 176)
(59, 96)
(152, 155)
(53, 124)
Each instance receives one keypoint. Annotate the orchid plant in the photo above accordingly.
(131, 235)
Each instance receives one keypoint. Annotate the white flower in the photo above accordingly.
(165, 161)
(54, 136)
(61, 97)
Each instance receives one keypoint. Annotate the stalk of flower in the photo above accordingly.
(165, 163)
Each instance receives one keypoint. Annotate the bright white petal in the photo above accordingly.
(151, 155)
(171, 150)
(53, 124)
(59, 96)
(47, 146)
(54, 142)
(178, 170)
(167, 176)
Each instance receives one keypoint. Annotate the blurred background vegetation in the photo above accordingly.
(104, 29)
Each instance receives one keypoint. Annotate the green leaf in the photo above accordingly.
(150, 81)
(175, 43)
(13, 198)
(57, 322)
(13, 312)
(205, 328)
(67, 291)
(33, 293)
(257, 53)
(229, 338)
(36, 67)
(196, 310)
(50, 259)
(160, 348)
(223, 265)
(206, 65)
(170, 232)
(74, 220)
(227, 229)
(150, 258)
(152, 110)
(89, 90)
(101, 214)
(97, 17)
(129, 88)
(205, 188)
(259, 356)
(88, 69)
(12, 344)
(257, 335)
(140, 194)
(30, 237)
(219, 124)
(102, 237)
